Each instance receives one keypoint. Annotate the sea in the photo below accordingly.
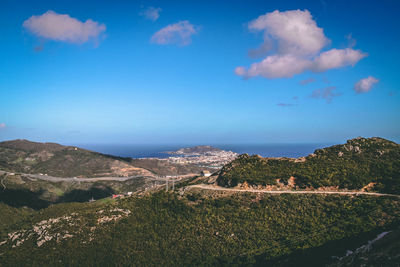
(159, 151)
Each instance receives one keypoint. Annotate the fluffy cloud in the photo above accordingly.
(365, 85)
(2, 125)
(61, 27)
(337, 58)
(295, 31)
(151, 13)
(327, 93)
(278, 66)
(177, 33)
(294, 43)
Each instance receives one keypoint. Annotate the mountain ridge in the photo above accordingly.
(359, 163)
(62, 161)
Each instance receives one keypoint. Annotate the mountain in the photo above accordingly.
(361, 163)
(62, 161)
(31, 174)
(195, 150)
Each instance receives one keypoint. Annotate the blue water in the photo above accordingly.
(158, 151)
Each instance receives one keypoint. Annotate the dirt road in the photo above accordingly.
(95, 179)
(219, 188)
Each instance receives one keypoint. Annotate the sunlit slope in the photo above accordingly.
(62, 161)
(373, 163)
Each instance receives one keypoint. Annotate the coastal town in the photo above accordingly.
(203, 156)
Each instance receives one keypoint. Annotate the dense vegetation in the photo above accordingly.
(353, 165)
(169, 230)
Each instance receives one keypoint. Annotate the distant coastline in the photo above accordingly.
(160, 151)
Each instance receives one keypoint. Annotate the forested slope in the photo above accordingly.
(172, 230)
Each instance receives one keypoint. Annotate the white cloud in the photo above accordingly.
(337, 58)
(294, 43)
(365, 85)
(295, 31)
(278, 66)
(2, 125)
(61, 27)
(151, 13)
(177, 33)
(327, 93)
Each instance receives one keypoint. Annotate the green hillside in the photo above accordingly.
(195, 229)
(353, 165)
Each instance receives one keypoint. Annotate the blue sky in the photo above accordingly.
(167, 71)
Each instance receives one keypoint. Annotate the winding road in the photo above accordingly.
(95, 179)
(219, 188)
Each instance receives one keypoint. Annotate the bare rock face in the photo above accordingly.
(301, 159)
(245, 185)
(292, 181)
(64, 227)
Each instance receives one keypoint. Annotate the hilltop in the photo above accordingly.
(62, 161)
(361, 163)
